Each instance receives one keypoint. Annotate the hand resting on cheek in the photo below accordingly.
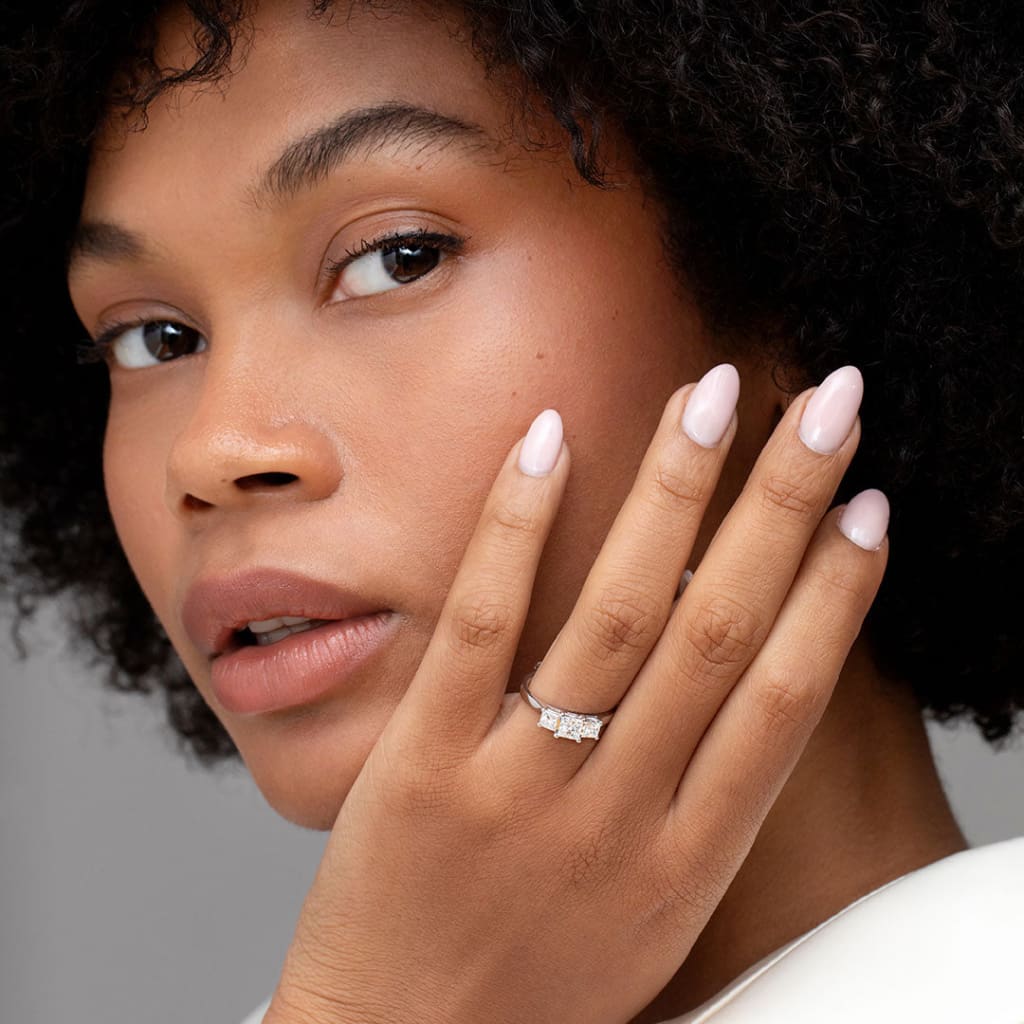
(481, 870)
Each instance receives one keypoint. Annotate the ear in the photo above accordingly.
(766, 398)
(780, 399)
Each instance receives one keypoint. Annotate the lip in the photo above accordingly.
(216, 607)
(299, 669)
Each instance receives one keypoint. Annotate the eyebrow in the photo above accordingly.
(99, 240)
(309, 159)
(302, 165)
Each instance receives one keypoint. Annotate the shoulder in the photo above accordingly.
(940, 944)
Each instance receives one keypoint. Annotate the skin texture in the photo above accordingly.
(395, 412)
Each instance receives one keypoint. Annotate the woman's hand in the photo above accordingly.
(481, 869)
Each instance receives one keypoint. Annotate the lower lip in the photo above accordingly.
(299, 669)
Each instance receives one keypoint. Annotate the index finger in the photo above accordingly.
(460, 684)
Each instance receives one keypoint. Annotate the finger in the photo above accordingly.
(737, 590)
(628, 594)
(457, 690)
(757, 738)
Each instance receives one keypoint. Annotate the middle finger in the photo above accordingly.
(736, 593)
(628, 594)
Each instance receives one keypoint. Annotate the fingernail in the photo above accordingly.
(865, 519)
(711, 404)
(539, 451)
(832, 410)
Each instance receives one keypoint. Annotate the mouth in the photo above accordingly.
(321, 657)
(272, 631)
(263, 606)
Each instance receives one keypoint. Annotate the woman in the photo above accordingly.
(360, 280)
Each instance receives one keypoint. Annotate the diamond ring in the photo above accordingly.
(568, 725)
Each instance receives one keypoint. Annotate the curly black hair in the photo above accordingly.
(842, 182)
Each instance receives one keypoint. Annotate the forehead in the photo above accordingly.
(290, 74)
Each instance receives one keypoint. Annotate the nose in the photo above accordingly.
(250, 436)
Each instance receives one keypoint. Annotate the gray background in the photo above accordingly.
(134, 887)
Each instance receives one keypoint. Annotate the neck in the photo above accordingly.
(863, 806)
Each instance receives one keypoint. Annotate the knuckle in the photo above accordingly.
(512, 520)
(597, 852)
(413, 782)
(723, 632)
(838, 575)
(682, 897)
(783, 495)
(784, 706)
(497, 812)
(708, 826)
(688, 884)
(479, 622)
(583, 861)
(422, 795)
(677, 491)
(622, 619)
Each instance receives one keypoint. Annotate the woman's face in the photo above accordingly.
(343, 425)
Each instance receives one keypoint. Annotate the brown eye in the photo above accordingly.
(134, 346)
(407, 262)
(391, 262)
(166, 340)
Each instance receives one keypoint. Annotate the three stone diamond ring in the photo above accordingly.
(575, 725)
(569, 725)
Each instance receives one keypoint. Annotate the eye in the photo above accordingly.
(390, 262)
(141, 343)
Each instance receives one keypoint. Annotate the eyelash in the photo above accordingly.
(96, 350)
(434, 239)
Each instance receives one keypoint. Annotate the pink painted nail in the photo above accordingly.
(711, 404)
(832, 410)
(543, 442)
(866, 519)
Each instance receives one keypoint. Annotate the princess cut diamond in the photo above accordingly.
(548, 719)
(570, 726)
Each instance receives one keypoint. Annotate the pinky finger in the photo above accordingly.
(759, 734)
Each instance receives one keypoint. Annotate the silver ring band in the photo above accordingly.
(568, 725)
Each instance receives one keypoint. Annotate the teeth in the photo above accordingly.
(265, 637)
(270, 624)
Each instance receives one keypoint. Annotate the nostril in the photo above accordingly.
(262, 479)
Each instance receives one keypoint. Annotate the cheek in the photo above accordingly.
(597, 333)
(134, 477)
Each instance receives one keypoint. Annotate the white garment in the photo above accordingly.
(940, 945)
(256, 1017)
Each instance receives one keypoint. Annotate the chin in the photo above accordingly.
(314, 811)
(306, 767)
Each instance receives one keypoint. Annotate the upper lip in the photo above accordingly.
(216, 607)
